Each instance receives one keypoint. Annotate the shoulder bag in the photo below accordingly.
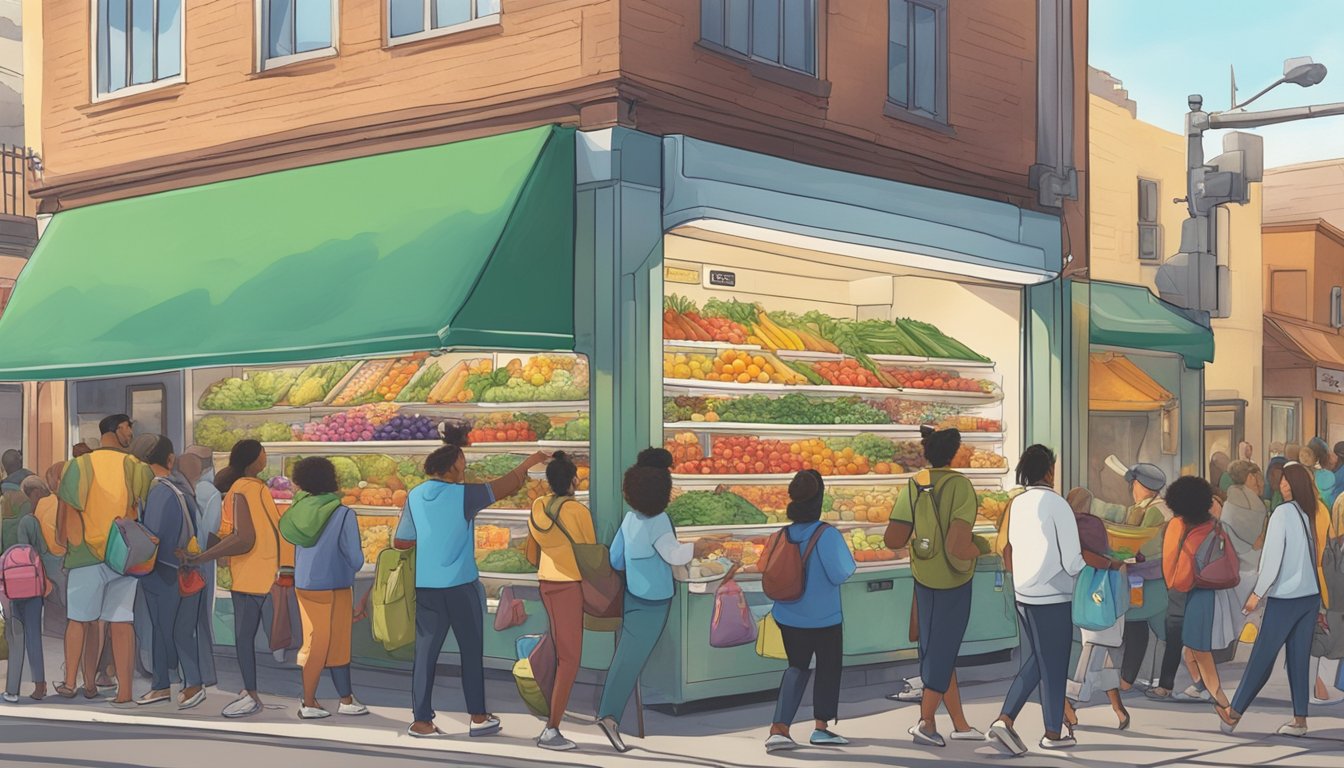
(603, 589)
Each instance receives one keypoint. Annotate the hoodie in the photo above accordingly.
(440, 517)
(646, 548)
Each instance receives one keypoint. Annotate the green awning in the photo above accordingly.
(1131, 317)
(462, 245)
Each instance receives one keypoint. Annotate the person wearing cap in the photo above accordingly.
(1149, 510)
(97, 489)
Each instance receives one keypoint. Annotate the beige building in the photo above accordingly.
(1136, 170)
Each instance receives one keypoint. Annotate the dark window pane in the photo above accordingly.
(407, 17)
(312, 25)
(142, 41)
(739, 26)
(898, 52)
(170, 39)
(926, 59)
(765, 29)
(800, 35)
(450, 12)
(280, 29)
(711, 21)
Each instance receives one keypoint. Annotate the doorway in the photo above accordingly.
(154, 403)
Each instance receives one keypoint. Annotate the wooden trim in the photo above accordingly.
(773, 73)
(361, 137)
(897, 112)
(1308, 225)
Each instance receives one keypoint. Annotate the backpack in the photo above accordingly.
(1216, 563)
(131, 549)
(392, 599)
(784, 574)
(536, 654)
(930, 561)
(21, 573)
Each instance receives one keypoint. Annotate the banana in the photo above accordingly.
(772, 342)
(791, 341)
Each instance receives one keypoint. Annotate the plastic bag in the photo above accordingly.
(769, 640)
(732, 624)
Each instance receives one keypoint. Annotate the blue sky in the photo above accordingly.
(1164, 50)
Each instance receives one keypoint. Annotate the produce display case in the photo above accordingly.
(377, 420)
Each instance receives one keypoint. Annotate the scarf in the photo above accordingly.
(303, 523)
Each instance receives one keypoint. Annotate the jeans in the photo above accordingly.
(205, 629)
(174, 620)
(1289, 624)
(1047, 639)
(461, 610)
(23, 630)
(827, 644)
(563, 601)
(247, 611)
(642, 624)
(943, 617)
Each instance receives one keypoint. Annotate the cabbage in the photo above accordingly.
(347, 473)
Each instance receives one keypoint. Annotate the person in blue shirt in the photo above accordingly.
(439, 521)
(811, 625)
(645, 548)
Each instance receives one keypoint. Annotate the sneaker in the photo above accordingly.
(611, 729)
(1292, 729)
(193, 702)
(243, 706)
(778, 743)
(312, 713)
(353, 709)
(434, 734)
(490, 727)
(1063, 742)
(154, 697)
(910, 694)
(971, 735)
(1002, 734)
(824, 738)
(926, 738)
(12, 698)
(551, 739)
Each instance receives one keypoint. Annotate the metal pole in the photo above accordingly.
(1272, 116)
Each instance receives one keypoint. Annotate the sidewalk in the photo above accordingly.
(1161, 734)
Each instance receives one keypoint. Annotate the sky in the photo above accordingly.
(1165, 50)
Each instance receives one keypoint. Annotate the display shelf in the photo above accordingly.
(933, 362)
(709, 345)
(694, 482)
(697, 387)
(811, 430)
(807, 354)
(406, 447)
(414, 408)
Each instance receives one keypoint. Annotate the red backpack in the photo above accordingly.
(21, 573)
(784, 575)
(1216, 563)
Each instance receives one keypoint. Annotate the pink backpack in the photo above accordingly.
(21, 573)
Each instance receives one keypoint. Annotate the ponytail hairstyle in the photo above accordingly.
(244, 454)
(940, 445)
(647, 486)
(1035, 464)
(806, 492)
(560, 473)
(454, 440)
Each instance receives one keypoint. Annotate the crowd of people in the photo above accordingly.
(1245, 556)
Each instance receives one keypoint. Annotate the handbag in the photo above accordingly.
(769, 640)
(1332, 564)
(1096, 598)
(190, 581)
(732, 623)
(510, 612)
(603, 588)
(131, 549)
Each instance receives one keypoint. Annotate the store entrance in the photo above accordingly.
(11, 416)
(154, 403)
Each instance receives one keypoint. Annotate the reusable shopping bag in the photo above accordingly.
(769, 640)
(732, 624)
(1096, 598)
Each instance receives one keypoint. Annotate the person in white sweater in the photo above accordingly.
(1045, 557)
(1290, 586)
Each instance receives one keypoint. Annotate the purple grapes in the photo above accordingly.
(407, 428)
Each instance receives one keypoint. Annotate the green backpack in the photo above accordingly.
(931, 563)
(392, 600)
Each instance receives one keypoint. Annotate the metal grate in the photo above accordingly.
(14, 165)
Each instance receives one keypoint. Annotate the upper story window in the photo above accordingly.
(779, 32)
(294, 30)
(409, 20)
(1150, 228)
(917, 58)
(138, 44)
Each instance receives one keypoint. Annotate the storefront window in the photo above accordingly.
(11, 417)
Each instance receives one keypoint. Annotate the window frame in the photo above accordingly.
(908, 112)
(265, 63)
(721, 46)
(430, 32)
(1154, 225)
(96, 97)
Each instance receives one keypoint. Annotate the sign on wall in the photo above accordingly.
(1330, 380)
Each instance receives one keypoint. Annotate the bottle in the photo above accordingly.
(1135, 591)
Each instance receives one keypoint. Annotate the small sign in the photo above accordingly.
(722, 279)
(1330, 380)
(679, 275)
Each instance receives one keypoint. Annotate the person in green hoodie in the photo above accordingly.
(327, 556)
(13, 504)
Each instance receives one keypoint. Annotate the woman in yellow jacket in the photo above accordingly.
(558, 522)
(250, 538)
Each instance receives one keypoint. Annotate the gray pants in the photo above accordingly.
(23, 630)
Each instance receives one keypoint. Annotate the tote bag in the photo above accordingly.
(732, 624)
(769, 640)
(1097, 598)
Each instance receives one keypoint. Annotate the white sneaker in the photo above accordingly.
(971, 735)
(552, 739)
(1063, 742)
(778, 743)
(242, 707)
(490, 727)
(926, 738)
(354, 708)
(1002, 734)
(12, 698)
(312, 713)
(1292, 729)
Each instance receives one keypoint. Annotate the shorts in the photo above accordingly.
(943, 617)
(98, 593)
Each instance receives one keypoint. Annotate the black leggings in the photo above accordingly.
(1136, 644)
(247, 611)
(827, 644)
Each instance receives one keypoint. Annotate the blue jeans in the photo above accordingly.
(1047, 637)
(642, 623)
(461, 610)
(1288, 624)
(174, 620)
(23, 629)
(943, 617)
